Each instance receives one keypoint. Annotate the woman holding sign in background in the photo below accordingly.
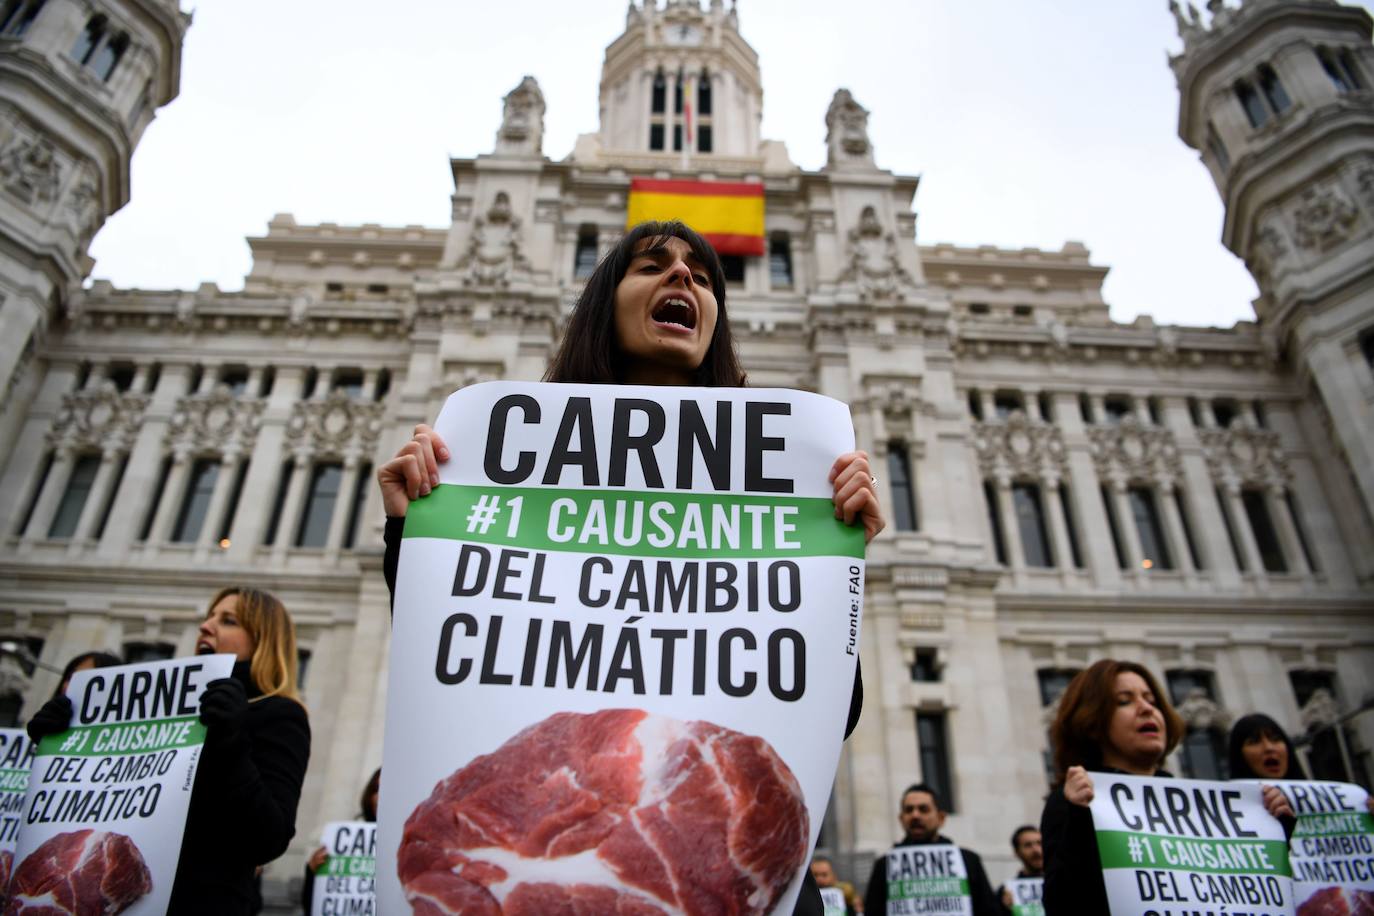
(652, 313)
(1113, 717)
(257, 745)
(367, 812)
(1261, 749)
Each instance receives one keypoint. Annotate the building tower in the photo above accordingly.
(1278, 98)
(80, 80)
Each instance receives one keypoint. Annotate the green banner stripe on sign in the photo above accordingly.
(1122, 849)
(635, 523)
(911, 888)
(360, 866)
(13, 780)
(121, 738)
(1344, 824)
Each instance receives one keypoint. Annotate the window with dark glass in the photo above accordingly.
(1153, 547)
(704, 141)
(1230, 525)
(903, 493)
(995, 522)
(378, 289)
(1301, 530)
(1225, 412)
(302, 666)
(1046, 405)
(319, 505)
(655, 136)
(660, 93)
(196, 503)
(121, 376)
(933, 743)
(924, 666)
(975, 404)
(235, 378)
(109, 55)
(1218, 149)
(37, 492)
(89, 39)
(1346, 61)
(1340, 76)
(979, 308)
(349, 381)
(1004, 402)
(677, 137)
(158, 495)
(278, 503)
(1273, 89)
(1030, 522)
(584, 259)
(1203, 750)
(1085, 408)
(1116, 408)
(1261, 418)
(1184, 519)
(704, 94)
(677, 95)
(1156, 413)
(1194, 412)
(780, 261)
(355, 518)
(74, 499)
(733, 265)
(1070, 526)
(1022, 311)
(136, 652)
(231, 507)
(1307, 682)
(1249, 99)
(383, 385)
(1367, 348)
(1262, 526)
(1114, 524)
(1053, 682)
(18, 15)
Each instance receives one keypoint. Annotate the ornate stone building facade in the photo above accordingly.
(1060, 487)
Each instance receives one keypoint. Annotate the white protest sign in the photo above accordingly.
(927, 879)
(344, 884)
(626, 625)
(112, 791)
(16, 757)
(1188, 845)
(832, 901)
(1027, 895)
(1332, 850)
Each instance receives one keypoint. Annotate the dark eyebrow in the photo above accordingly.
(660, 251)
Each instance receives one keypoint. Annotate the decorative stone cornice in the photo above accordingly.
(1199, 711)
(1131, 451)
(337, 426)
(1019, 448)
(218, 422)
(1242, 454)
(102, 419)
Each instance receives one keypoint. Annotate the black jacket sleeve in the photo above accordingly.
(258, 774)
(875, 896)
(985, 902)
(1073, 868)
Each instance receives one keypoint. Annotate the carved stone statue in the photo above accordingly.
(29, 169)
(493, 252)
(522, 121)
(873, 263)
(846, 133)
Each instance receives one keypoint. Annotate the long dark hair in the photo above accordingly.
(1085, 712)
(367, 803)
(589, 352)
(97, 660)
(1252, 726)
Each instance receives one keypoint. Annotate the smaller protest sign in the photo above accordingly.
(114, 788)
(1332, 850)
(927, 879)
(832, 898)
(345, 883)
(1188, 845)
(16, 757)
(1026, 896)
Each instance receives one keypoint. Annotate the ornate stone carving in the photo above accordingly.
(1130, 451)
(1321, 709)
(1364, 181)
(1202, 712)
(216, 422)
(337, 426)
(1270, 248)
(103, 419)
(1243, 454)
(1019, 447)
(846, 132)
(29, 169)
(1323, 218)
(522, 120)
(493, 253)
(83, 203)
(873, 262)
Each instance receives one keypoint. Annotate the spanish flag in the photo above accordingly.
(728, 213)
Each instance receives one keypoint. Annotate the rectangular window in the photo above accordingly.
(1183, 519)
(1225, 411)
(677, 138)
(37, 492)
(1154, 548)
(108, 57)
(780, 261)
(319, 505)
(704, 139)
(231, 508)
(279, 504)
(147, 528)
(302, 666)
(704, 95)
(74, 499)
(1117, 409)
(995, 522)
(1249, 99)
(349, 381)
(355, 518)
(1085, 408)
(584, 259)
(924, 667)
(121, 376)
(1113, 524)
(1046, 405)
(1004, 402)
(1346, 60)
(89, 38)
(733, 265)
(1230, 524)
(1262, 526)
(655, 136)
(933, 745)
(903, 493)
(18, 15)
(1299, 529)
(1334, 71)
(1030, 522)
(1273, 90)
(660, 94)
(235, 379)
(975, 404)
(1053, 682)
(196, 503)
(1070, 525)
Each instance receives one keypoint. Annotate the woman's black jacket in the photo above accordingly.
(243, 805)
(809, 901)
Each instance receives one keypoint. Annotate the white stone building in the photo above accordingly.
(1060, 487)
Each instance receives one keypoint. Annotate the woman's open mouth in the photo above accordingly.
(1149, 728)
(675, 314)
(204, 648)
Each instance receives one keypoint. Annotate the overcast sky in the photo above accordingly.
(1031, 122)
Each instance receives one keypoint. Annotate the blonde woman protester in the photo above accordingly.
(257, 746)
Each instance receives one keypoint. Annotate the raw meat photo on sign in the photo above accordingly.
(622, 621)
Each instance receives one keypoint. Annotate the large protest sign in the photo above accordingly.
(626, 625)
(927, 879)
(16, 757)
(1173, 846)
(345, 883)
(1332, 850)
(112, 791)
(1027, 896)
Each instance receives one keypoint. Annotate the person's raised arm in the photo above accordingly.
(413, 472)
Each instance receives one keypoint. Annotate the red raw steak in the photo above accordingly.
(1364, 903)
(615, 812)
(1329, 901)
(79, 873)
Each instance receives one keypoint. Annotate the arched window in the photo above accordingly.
(17, 15)
(89, 40)
(108, 57)
(1249, 99)
(1273, 89)
(1341, 69)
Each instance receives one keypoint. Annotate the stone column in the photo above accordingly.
(1274, 497)
(1173, 526)
(169, 503)
(1099, 406)
(1125, 521)
(99, 496)
(1085, 492)
(1031, 400)
(989, 404)
(64, 460)
(343, 507)
(291, 510)
(265, 466)
(369, 392)
(1059, 529)
(1240, 524)
(219, 500)
(1011, 530)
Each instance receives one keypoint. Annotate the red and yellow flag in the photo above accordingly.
(728, 213)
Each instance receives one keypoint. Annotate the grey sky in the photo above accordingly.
(1030, 122)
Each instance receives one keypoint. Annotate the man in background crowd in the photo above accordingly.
(823, 870)
(1025, 842)
(921, 815)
